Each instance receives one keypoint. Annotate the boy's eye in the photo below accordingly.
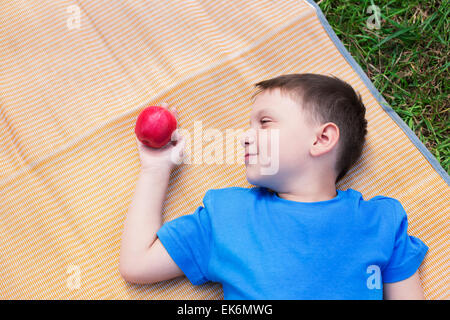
(264, 121)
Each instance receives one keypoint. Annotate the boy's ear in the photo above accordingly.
(326, 138)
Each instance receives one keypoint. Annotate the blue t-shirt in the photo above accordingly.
(261, 246)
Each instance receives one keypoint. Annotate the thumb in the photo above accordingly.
(176, 136)
(177, 153)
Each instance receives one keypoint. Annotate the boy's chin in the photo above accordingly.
(254, 176)
(258, 183)
(251, 177)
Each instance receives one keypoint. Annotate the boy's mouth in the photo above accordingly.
(247, 156)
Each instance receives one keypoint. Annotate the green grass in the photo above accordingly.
(406, 58)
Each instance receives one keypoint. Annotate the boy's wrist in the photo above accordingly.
(160, 171)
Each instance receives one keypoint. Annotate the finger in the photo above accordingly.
(175, 135)
(178, 136)
(179, 150)
(182, 144)
(179, 139)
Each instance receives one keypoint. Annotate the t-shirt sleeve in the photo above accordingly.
(408, 252)
(187, 239)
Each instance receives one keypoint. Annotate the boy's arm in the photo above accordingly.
(408, 289)
(143, 259)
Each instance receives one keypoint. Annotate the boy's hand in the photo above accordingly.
(165, 158)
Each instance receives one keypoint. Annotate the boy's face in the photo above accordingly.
(274, 112)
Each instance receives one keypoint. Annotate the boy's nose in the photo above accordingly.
(247, 138)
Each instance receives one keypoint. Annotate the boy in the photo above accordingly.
(293, 236)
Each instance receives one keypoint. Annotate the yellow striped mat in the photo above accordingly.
(74, 75)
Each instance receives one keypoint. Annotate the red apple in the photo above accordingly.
(154, 126)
